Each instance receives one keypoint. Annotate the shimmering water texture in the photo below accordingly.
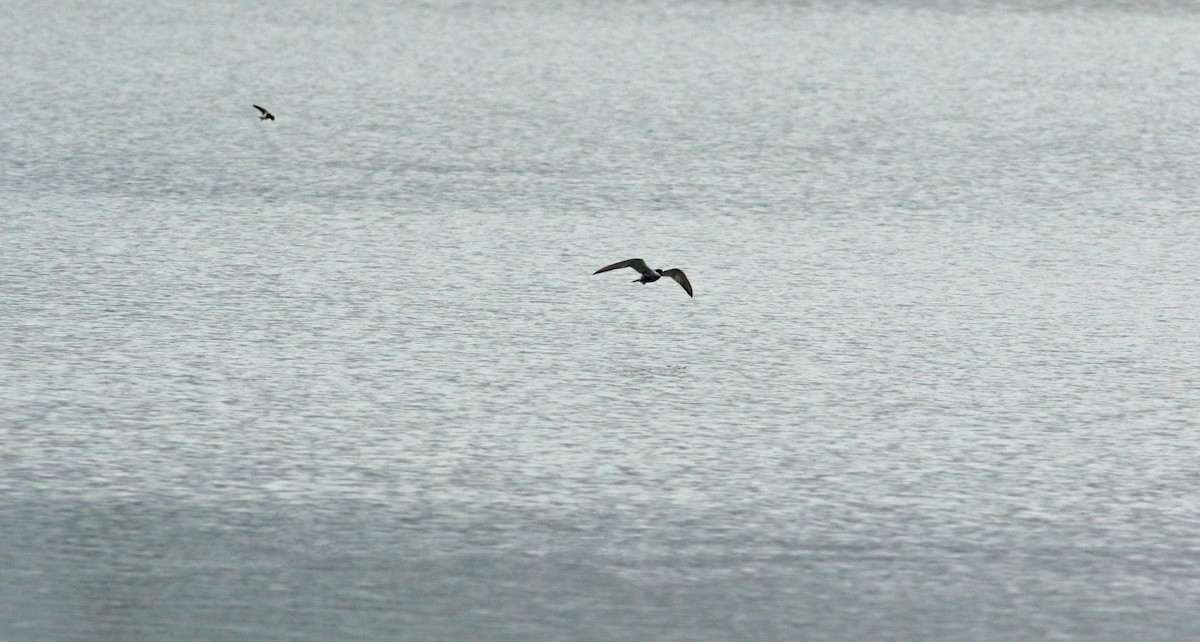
(347, 374)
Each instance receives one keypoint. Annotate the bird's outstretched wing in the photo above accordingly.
(265, 113)
(680, 278)
(636, 264)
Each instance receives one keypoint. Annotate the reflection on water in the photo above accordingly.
(346, 374)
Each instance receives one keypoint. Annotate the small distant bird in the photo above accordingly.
(648, 275)
(266, 115)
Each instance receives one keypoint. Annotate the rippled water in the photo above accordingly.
(348, 374)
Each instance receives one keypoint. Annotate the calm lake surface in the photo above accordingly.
(347, 374)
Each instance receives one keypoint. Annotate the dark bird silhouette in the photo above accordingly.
(266, 115)
(648, 275)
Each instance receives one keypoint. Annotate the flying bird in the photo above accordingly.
(648, 275)
(266, 115)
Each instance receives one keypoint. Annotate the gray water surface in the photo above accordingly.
(347, 374)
